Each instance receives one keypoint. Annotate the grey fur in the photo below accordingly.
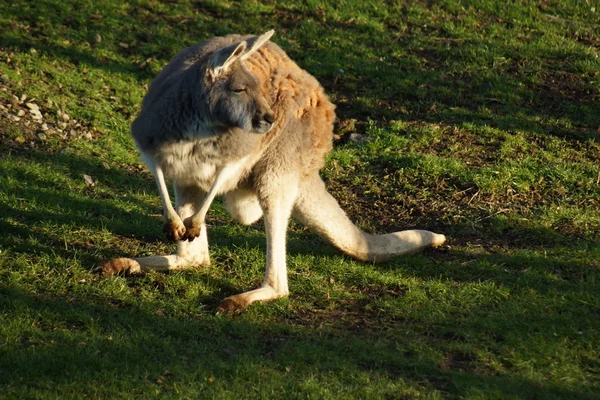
(184, 103)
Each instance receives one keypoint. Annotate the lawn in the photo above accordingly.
(476, 119)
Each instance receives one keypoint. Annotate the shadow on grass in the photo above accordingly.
(78, 341)
(63, 220)
(49, 213)
(89, 347)
(49, 209)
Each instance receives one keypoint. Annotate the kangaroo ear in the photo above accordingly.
(257, 42)
(221, 60)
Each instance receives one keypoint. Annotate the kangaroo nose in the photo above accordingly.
(270, 118)
(263, 122)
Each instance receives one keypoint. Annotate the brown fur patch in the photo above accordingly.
(174, 231)
(232, 305)
(117, 265)
(295, 95)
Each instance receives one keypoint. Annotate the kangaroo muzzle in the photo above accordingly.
(263, 123)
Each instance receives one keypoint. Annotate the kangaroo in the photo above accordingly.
(235, 116)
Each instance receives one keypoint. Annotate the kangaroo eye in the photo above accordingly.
(238, 89)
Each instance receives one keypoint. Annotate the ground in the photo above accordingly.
(480, 121)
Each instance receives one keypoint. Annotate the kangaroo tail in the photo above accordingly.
(317, 209)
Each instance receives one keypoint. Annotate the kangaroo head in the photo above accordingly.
(234, 95)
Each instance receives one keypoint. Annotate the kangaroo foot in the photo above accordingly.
(232, 305)
(236, 304)
(117, 265)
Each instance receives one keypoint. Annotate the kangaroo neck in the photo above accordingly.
(190, 108)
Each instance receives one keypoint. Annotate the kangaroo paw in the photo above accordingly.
(192, 231)
(174, 230)
(117, 265)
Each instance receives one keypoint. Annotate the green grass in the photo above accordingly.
(484, 118)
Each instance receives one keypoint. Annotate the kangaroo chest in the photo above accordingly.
(197, 162)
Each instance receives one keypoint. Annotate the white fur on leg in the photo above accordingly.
(195, 252)
(275, 283)
(276, 274)
(174, 227)
(189, 254)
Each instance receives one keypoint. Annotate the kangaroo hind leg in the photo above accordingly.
(277, 201)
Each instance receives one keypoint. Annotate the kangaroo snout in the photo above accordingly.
(269, 117)
(262, 123)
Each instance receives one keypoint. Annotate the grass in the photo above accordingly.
(484, 120)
